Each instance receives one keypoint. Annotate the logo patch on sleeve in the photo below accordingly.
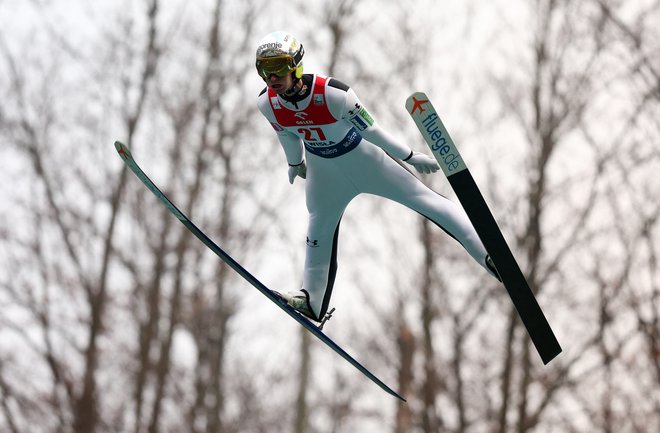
(362, 119)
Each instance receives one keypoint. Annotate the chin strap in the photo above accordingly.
(292, 97)
(295, 81)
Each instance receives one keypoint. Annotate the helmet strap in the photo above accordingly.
(295, 81)
(294, 87)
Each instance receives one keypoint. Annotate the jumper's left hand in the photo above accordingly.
(423, 163)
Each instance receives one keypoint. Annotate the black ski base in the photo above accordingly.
(512, 277)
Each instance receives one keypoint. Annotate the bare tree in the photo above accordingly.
(561, 98)
(78, 256)
(558, 96)
(34, 136)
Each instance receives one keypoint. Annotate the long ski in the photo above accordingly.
(125, 154)
(445, 152)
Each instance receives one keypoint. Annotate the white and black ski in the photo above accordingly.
(276, 299)
(445, 152)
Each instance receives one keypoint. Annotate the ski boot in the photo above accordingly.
(299, 301)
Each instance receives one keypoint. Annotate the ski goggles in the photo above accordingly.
(279, 65)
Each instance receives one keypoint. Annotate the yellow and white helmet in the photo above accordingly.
(279, 53)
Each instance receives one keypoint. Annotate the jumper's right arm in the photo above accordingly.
(293, 149)
(291, 143)
(292, 146)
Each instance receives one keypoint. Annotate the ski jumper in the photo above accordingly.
(348, 154)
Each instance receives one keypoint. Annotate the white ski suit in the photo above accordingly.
(347, 154)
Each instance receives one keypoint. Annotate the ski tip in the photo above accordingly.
(417, 95)
(417, 103)
(123, 150)
(391, 392)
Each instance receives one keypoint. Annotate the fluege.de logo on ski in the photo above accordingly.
(449, 156)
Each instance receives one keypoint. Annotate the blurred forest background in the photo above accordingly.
(115, 319)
